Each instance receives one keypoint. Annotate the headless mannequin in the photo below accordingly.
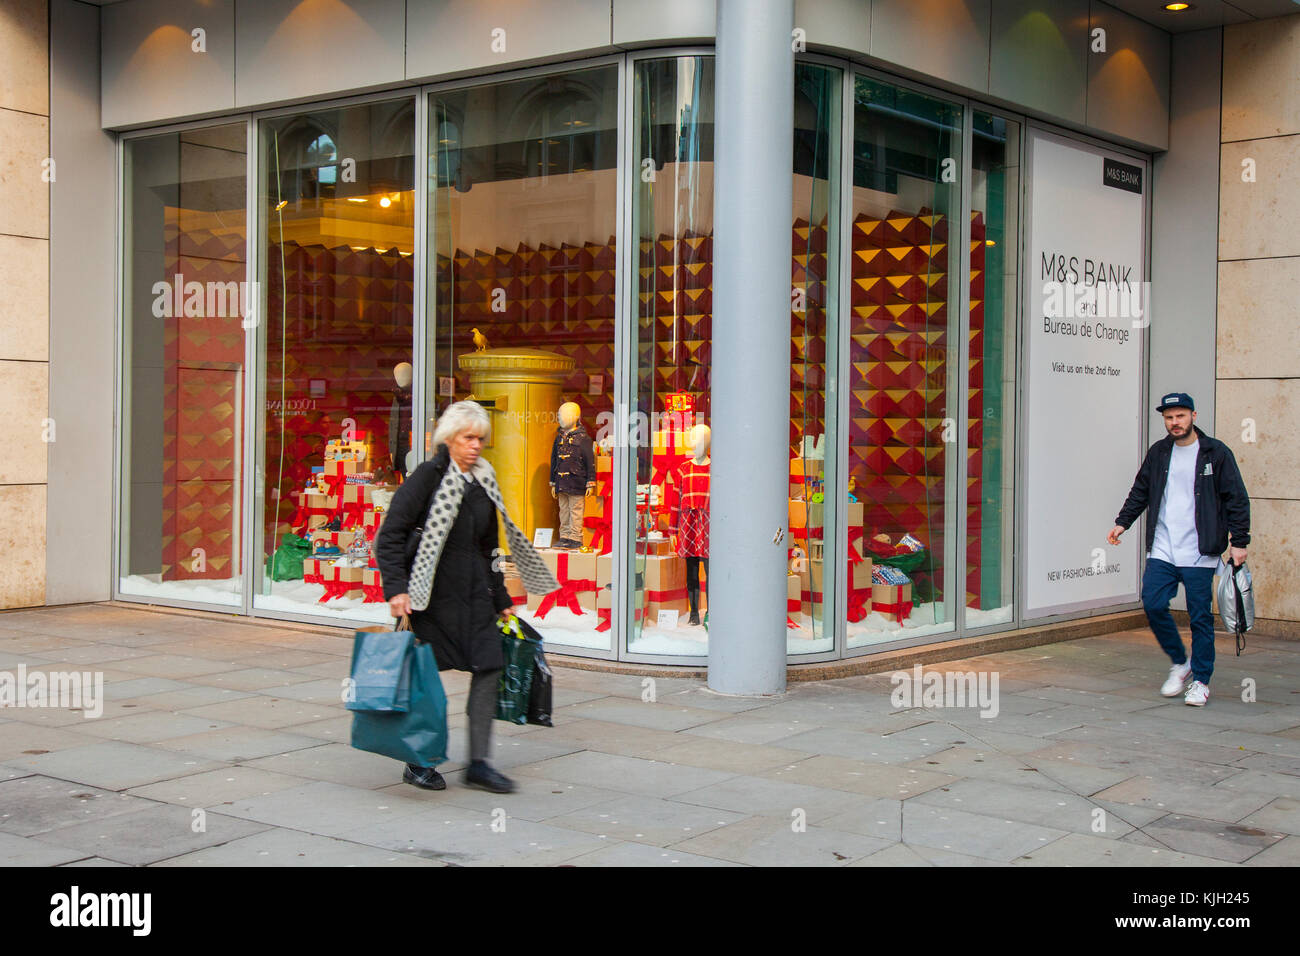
(700, 438)
(399, 418)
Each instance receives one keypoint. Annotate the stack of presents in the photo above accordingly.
(339, 512)
(872, 584)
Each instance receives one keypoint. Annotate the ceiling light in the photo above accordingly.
(1178, 7)
(281, 204)
(385, 201)
(356, 199)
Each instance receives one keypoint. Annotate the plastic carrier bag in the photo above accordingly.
(1236, 600)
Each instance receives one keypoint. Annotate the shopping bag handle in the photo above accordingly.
(513, 626)
(402, 623)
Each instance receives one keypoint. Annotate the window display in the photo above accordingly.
(337, 232)
(185, 301)
(523, 201)
(903, 355)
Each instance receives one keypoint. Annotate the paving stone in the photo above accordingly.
(268, 713)
(338, 763)
(895, 748)
(140, 687)
(327, 809)
(882, 819)
(148, 835)
(987, 764)
(728, 755)
(35, 804)
(1282, 814)
(93, 861)
(172, 666)
(510, 751)
(644, 819)
(1284, 853)
(624, 774)
(176, 700)
(239, 744)
(114, 765)
(19, 739)
(1076, 849)
(252, 678)
(217, 787)
(747, 729)
(22, 851)
(1151, 745)
(151, 727)
(280, 848)
(534, 799)
(640, 855)
(900, 854)
(858, 776)
(1272, 744)
(84, 654)
(761, 841)
(657, 716)
(1011, 804)
(1234, 843)
(624, 739)
(336, 729)
(977, 835)
(1180, 796)
(764, 796)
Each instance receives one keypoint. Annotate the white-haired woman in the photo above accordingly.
(436, 552)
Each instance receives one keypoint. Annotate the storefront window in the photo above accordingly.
(185, 295)
(337, 235)
(672, 222)
(523, 209)
(902, 364)
(991, 426)
(813, 442)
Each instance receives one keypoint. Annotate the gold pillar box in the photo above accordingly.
(522, 390)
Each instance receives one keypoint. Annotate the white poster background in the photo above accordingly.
(1083, 393)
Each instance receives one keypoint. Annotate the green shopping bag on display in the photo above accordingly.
(285, 563)
(515, 686)
(417, 735)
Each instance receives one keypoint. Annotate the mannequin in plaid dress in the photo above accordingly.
(688, 501)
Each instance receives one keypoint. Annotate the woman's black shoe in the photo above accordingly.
(483, 776)
(425, 778)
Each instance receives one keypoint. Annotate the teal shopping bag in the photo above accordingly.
(380, 675)
(417, 735)
(516, 683)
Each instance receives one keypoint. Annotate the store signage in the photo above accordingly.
(1121, 175)
(1085, 301)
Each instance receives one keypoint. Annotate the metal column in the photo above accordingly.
(752, 201)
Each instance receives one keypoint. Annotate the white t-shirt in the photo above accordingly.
(1176, 540)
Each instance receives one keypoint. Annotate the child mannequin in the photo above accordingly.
(690, 514)
(573, 474)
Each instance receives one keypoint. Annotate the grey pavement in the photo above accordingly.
(224, 743)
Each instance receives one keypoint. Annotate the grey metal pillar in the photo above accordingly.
(752, 201)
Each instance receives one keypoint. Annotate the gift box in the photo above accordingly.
(356, 450)
(577, 573)
(661, 546)
(891, 592)
(319, 502)
(338, 539)
(806, 468)
(515, 588)
(313, 570)
(604, 466)
(371, 586)
(341, 468)
(663, 584)
(792, 594)
(805, 514)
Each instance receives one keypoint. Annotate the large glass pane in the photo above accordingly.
(672, 221)
(990, 461)
(903, 353)
(814, 272)
(523, 207)
(185, 295)
(337, 233)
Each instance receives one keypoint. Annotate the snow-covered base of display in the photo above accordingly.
(995, 615)
(208, 591)
(562, 627)
(877, 628)
(299, 597)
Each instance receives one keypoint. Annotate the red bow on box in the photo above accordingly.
(336, 589)
(859, 603)
(374, 593)
(567, 595)
(601, 541)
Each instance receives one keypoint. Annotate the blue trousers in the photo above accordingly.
(1159, 585)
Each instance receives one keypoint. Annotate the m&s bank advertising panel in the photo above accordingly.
(1086, 318)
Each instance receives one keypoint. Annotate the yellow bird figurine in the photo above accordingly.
(480, 341)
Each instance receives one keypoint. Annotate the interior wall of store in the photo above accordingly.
(79, 518)
(1032, 55)
(1184, 233)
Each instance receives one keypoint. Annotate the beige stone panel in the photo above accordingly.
(1265, 409)
(24, 56)
(1261, 61)
(22, 546)
(1274, 555)
(1259, 334)
(24, 197)
(1260, 218)
(24, 298)
(24, 398)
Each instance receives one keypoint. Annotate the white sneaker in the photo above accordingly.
(1197, 694)
(1177, 680)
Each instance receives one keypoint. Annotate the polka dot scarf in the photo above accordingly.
(534, 573)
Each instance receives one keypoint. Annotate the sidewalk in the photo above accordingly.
(1084, 763)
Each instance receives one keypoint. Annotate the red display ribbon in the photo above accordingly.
(334, 484)
(311, 578)
(336, 589)
(676, 594)
(374, 593)
(601, 539)
(792, 606)
(604, 619)
(854, 556)
(567, 595)
(859, 603)
(791, 625)
(899, 611)
(353, 514)
(803, 534)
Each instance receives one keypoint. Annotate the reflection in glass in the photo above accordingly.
(523, 208)
(995, 192)
(337, 234)
(185, 294)
(906, 206)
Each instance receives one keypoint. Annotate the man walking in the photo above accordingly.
(1191, 483)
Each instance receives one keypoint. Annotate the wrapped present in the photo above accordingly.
(604, 466)
(806, 468)
(658, 544)
(576, 573)
(515, 588)
(664, 583)
(891, 592)
(372, 589)
(909, 544)
(332, 539)
(341, 580)
(342, 468)
(313, 569)
(356, 450)
(792, 594)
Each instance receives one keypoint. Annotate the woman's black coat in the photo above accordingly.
(467, 595)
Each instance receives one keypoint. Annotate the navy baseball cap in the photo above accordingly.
(1176, 400)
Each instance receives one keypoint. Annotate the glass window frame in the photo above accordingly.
(624, 370)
